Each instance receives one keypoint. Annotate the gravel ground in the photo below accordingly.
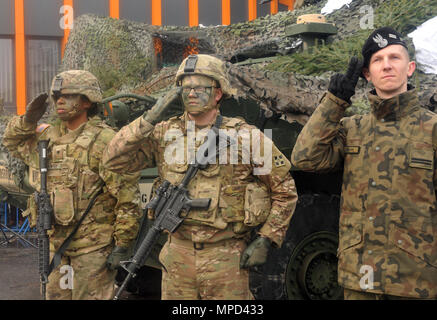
(19, 277)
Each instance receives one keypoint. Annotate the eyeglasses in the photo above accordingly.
(197, 90)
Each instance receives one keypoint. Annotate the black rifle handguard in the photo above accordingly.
(45, 218)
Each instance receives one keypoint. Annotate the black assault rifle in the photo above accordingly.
(45, 214)
(169, 201)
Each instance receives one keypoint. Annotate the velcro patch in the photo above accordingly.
(352, 149)
(422, 157)
(421, 163)
(279, 161)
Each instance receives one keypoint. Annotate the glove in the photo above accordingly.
(255, 253)
(158, 111)
(36, 108)
(118, 254)
(343, 86)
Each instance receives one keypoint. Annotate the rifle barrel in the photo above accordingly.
(139, 258)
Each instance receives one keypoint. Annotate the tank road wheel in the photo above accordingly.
(312, 269)
(305, 267)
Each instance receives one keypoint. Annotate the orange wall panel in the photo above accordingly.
(66, 30)
(288, 3)
(20, 57)
(156, 12)
(274, 7)
(193, 13)
(226, 12)
(114, 9)
(252, 9)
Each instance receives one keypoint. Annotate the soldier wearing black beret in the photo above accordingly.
(380, 39)
(388, 220)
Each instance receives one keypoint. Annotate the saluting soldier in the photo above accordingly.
(75, 174)
(388, 222)
(208, 256)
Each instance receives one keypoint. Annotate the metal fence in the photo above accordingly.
(13, 226)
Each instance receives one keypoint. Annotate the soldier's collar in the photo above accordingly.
(395, 107)
(64, 130)
(185, 119)
(61, 134)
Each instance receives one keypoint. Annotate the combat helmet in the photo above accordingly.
(206, 65)
(77, 82)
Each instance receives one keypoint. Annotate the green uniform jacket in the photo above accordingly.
(75, 173)
(240, 198)
(388, 222)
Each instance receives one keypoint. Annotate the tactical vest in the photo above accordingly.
(70, 180)
(243, 202)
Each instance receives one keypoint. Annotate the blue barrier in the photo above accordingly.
(5, 212)
(16, 230)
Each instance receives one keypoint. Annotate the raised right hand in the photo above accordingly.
(343, 86)
(157, 113)
(36, 108)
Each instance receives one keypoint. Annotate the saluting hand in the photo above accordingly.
(162, 106)
(343, 86)
(36, 108)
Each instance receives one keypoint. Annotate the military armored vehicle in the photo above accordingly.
(279, 85)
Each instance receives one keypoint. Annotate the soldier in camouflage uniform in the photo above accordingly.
(388, 222)
(208, 256)
(75, 174)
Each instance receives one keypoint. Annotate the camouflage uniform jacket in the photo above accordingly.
(388, 221)
(239, 199)
(75, 174)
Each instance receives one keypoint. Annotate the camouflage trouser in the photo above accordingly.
(83, 277)
(362, 295)
(208, 272)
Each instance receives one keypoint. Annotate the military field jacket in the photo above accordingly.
(240, 199)
(74, 175)
(388, 222)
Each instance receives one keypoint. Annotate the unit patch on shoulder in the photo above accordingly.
(42, 127)
(279, 161)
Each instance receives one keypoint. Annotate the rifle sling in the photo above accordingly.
(58, 254)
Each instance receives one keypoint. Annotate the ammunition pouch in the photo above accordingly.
(257, 204)
(63, 206)
(232, 206)
(71, 181)
(243, 205)
(62, 179)
(207, 186)
(246, 205)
